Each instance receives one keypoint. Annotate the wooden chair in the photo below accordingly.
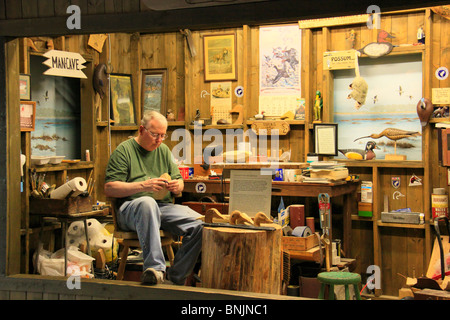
(129, 239)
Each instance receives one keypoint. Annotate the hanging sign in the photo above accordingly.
(265, 127)
(336, 60)
(64, 64)
(333, 21)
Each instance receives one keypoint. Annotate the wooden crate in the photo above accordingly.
(299, 243)
(60, 206)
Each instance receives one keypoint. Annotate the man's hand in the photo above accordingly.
(154, 185)
(175, 186)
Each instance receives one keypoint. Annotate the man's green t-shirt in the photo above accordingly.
(132, 163)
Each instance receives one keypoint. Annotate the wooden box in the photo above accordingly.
(53, 207)
(299, 243)
(365, 209)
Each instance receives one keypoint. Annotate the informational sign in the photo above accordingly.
(64, 64)
(440, 95)
(336, 60)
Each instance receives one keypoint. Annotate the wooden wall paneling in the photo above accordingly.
(130, 6)
(96, 6)
(85, 5)
(2, 10)
(114, 6)
(61, 7)
(30, 9)
(13, 9)
(46, 8)
(135, 67)
(378, 195)
(308, 81)
(398, 29)
(13, 139)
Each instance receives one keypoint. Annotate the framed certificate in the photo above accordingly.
(325, 139)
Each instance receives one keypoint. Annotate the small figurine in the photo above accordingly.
(318, 106)
(351, 38)
(259, 116)
(170, 116)
(420, 35)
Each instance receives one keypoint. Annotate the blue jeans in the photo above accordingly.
(145, 216)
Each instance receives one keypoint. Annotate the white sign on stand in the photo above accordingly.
(64, 64)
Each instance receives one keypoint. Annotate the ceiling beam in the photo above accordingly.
(201, 18)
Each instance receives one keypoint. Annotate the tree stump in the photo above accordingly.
(242, 259)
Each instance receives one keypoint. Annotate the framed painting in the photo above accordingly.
(25, 86)
(27, 115)
(219, 57)
(154, 90)
(122, 103)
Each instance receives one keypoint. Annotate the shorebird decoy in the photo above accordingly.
(393, 134)
(379, 48)
(424, 111)
(360, 154)
(260, 217)
(238, 217)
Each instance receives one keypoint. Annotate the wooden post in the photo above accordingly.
(242, 259)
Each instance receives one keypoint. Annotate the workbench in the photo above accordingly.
(346, 189)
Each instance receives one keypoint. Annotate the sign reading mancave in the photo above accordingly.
(64, 64)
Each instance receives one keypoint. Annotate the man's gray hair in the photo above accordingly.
(150, 115)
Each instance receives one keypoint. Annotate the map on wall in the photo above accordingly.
(395, 87)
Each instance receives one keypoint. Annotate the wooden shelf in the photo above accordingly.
(175, 123)
(381, 163)
(358, 218)
(124, 128)
(401, 225)
(64, 166)
(219, 126)
(291, 122)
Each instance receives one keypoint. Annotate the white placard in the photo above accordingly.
(64, 64)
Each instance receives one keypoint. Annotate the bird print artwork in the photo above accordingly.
(360, 154)
(400, 90)
(393, 134)
(46, 96)
(375, 99)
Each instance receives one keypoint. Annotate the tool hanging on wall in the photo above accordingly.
(325, 224)
(441, 246)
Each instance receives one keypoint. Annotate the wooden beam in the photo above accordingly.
(195, 19)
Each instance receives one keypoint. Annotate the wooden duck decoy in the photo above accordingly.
(170, 115)
(424, 111)
(213, 215)
(239, 109)
(360, 154)
(100, 79)
(393, 134)
(260, 217)
(379, 48)
(238, 217)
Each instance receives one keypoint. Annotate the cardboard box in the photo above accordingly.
(365, 209)
(366, 191)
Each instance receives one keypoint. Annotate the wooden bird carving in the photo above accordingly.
(359, 154)
(239, 109)
(238, 217)
(379, 48)
(393, 134)
(213, 215)
(424, 111)
(100, 79)
(260, 217)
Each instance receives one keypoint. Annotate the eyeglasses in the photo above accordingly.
(156, 136)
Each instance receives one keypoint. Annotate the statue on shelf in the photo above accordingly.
(318, 104)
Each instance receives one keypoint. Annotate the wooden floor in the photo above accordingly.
(37, 287)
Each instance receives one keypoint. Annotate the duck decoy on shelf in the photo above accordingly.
(424, 111)
(379, 48)
(260, 217)
(214, 216)
(100, 79)
(360, 154)
(170, 115)
(238, 217)
(393, 134)
(259, 116)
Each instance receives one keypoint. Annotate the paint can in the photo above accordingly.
(439, 203)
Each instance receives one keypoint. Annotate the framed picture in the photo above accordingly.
(27, 115)
(153, 90)
(219, 57)
(25, 86)
(122, 103)
(325, 139)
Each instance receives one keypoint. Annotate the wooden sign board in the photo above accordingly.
(64, 64)
(337, 60)
(266, 127)
(334, 21)
(440, 95)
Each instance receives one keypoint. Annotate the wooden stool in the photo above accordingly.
(339, 278)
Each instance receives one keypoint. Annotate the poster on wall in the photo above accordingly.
(395, 87)
(280, 68)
